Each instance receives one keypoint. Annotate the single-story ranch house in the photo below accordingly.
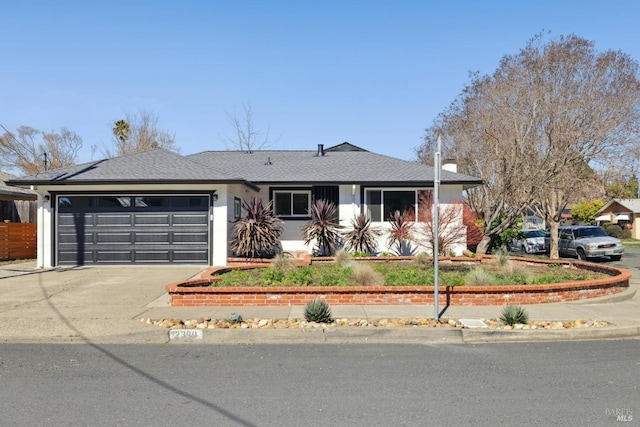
(162, 207)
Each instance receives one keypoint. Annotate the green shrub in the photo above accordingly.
(626, 234)
(614, 230)
(318, 311)
(335, 277)
(513, 314)
(272, 276)
(409, 276)
(237, 278)
(452, 279)
(300, 276)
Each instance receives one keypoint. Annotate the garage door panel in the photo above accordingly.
(169, 229)
(189, 219)
(114, 238)
(71, 257)
(152, 238)
(72, 238)
(201, 237)
(152, 256)
(149, 219)
(190, 256)
(116, 256)
(75, 220)
(109, 220)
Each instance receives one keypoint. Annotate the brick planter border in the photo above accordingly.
(196, 292)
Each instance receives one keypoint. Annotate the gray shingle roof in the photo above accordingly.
(334, 166)
(149, 166)
(269, 166)
(14, 192)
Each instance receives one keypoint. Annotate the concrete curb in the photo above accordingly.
(472, 336)
(405, 335)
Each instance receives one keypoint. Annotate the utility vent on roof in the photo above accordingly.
(268, 161)
(320, 150)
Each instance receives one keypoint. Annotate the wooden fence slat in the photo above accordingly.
(18, 240)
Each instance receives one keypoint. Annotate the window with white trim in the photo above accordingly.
(291, 203)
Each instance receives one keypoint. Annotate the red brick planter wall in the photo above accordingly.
(198, 293)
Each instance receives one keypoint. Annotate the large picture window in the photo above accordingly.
(382, 203)
(292, 203)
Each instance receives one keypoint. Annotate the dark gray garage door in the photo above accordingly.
(125, 229)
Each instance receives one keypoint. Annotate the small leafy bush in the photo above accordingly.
(301, 276)
(237, 278)
(614, 230)
(452, 279)
(318, 311)
(514, 314)
(272, 276)
(407, 277)
(335, 277)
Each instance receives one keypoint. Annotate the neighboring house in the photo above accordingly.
(162, 207)
(16, 204)
(624, 212)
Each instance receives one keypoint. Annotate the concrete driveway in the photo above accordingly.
(80, 302)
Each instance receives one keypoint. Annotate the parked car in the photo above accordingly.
(532, 242)
(588, 241)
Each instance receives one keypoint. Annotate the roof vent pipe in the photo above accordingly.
(320, 150)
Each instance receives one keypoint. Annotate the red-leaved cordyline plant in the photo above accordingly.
(258, 232)
(362, 237)
(323, 227)
(400, 233)
(451, 229)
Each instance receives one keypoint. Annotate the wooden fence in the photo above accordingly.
(17, 240)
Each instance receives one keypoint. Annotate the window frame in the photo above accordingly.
(291, 191)
(367, 205)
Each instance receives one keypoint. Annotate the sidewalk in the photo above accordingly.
(103, 305)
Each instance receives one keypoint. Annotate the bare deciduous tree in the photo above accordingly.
(248, 136)
(451, 229)
(30, 150)
(544, 114)
(138, 133)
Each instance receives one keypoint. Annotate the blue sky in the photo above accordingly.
(374, 73)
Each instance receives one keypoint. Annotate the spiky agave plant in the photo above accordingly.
(322, 226)
(514, 314)
(362, 237)
(258, 232)
(318, 311)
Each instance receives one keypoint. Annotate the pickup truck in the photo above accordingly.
(588, 241)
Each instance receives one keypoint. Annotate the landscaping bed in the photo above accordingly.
(583, 280)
